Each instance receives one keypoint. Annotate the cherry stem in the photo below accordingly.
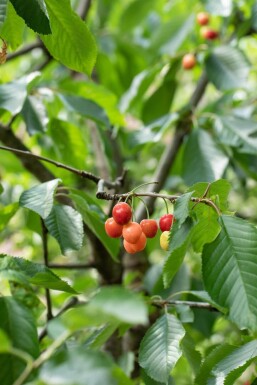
(143, 184)
(146, 208)
(166, 205)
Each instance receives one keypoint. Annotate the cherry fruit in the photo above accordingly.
(122, 213)
(131, 232)
(113, 229)
(202, 18)
(209, 34)
(149, 227)
(166, 222)
(188, 61)
(133, 248)
(164, 240)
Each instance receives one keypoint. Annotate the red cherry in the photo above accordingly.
(122, 213)
(188, 61)
(133, 248)
(202, 18)
(113, 229)
(141, 243)
(149, 227)
(131, 232)
(166, 222)
(208, 33)
(128, 247)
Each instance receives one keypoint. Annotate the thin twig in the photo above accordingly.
(81, 173)
(45, 254)
(71, 303)
(191, 304)
(78, 266)
(24, 50)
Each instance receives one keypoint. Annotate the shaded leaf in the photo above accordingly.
(94, 220)
(34, 114)
(94, 368)
(230, 270)
(34, 15)
(227, 68)
(192, 355)
(71, 41)
(203, 159)
(18, 323)
(211, 360)
(160, 348)
(178, 243)
(6, 214)
(13, 28)
(181, 207)
(66, 226)
(237, 132)
(85, 107)
(34, 273)
(3, 11)
(121, 304)
(40, 198)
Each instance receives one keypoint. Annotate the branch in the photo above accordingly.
(78, 266)
(83, 8)
(192, 304)
(172, 198)
(81, 173)
(45, 255)
(26, 49)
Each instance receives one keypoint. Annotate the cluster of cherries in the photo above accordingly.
(135, 234)
(208, 33)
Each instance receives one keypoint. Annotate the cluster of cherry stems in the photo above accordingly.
(135, 234)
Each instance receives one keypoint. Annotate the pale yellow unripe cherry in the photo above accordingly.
(164, 240)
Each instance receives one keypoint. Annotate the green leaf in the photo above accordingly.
(34, 114)
(66, 226)
(1, 189)
(219, 7)
(5, 342)
(96, 224)
(6, 214)
(210, 362)
(192, 355)
(134, 13)
(160, 348)
(239, 133)
(70, 145)
(40, 198)
(227, 68)
(18, 323)
(121, 304)
(169, 37)
(3, 11)
(93, 367)
(203, 159)
(34, 273)
(230, 270)
(226, 371)
(86, 108)
(13, 28)
(100, 336)
(13, 94)
(181, 207)
(178, 243)
(35, 17)
(71, 41)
